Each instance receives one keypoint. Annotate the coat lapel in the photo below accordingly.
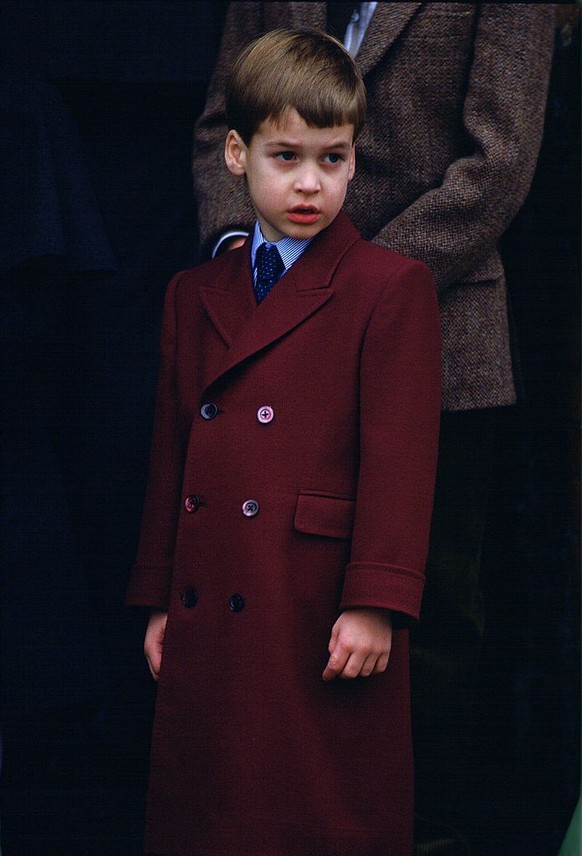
(228, 299)
(388, 21)
(246, 328)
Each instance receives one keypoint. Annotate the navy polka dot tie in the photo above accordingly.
(269, 266)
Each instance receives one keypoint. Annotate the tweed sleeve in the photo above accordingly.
(221, 198)
(454, 227)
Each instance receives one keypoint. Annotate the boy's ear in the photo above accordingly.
(235, 152)
(352, 163)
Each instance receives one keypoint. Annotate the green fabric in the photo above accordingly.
(572, 844)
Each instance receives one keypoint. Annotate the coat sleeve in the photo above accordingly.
(453, 227)
(152, 573)
(400, 383)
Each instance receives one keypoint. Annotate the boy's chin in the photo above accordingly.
(288, 229)
(303, 232)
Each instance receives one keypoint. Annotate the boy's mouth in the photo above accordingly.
(304, 214)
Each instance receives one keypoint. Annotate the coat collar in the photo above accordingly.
(247, 328)
(388, 21)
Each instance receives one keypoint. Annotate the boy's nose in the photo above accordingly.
(307, 181)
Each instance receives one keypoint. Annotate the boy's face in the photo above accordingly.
(297, 176)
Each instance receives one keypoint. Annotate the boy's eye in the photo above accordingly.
(333, 157)
(286, 156)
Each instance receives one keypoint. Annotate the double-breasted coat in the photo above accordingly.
(292, 476)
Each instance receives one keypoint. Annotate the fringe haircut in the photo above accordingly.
(305, 69)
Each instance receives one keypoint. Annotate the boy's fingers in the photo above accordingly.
(370, 666)
(355, 650)
(154, 661)
(352, 668)
(381, 664)
(347, 667)
(333, 639)
(335, 665)
(355, 666)
(154, 642)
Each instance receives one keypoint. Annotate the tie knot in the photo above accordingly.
(269, 266)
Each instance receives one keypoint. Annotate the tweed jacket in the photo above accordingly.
(456, 101)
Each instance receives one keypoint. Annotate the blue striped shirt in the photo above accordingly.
(289, 248)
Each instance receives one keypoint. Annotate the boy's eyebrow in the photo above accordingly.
(295, 144)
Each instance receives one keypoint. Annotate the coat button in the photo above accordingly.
(209, 411)
(236, 603)
(250, 508)
(189, 597)
(265, 414)
(192, 503)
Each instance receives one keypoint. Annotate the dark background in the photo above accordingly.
(97, 106)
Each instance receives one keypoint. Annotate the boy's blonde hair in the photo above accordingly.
(305, 69)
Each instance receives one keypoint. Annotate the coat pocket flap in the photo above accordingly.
(322, 514)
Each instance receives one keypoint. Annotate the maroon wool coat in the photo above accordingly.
(324, 406)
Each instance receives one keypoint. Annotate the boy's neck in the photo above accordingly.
(290, 249)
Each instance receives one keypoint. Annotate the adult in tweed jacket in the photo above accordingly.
(456, 95)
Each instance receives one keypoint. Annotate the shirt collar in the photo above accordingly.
(289, 248)
(357, 27)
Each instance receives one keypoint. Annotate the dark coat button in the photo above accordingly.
(250, 508)
(189, 597)
(209, 411)
(236, 603)
(192, 503)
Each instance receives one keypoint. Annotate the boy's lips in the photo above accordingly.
(303, 214)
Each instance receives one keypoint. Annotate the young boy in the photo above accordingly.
(287, 514)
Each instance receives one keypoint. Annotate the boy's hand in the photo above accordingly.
(360, 644)
(154, 641)
(234, 244)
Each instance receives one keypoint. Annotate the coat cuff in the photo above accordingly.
(149, 586)
(372, 584)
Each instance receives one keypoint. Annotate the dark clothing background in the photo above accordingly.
(97, 108)
(98, 103)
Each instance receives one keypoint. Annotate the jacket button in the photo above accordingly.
(250, 508)
(189, 597)
(192, 503)
(209, 411)
(265, 414)
(236, 603)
